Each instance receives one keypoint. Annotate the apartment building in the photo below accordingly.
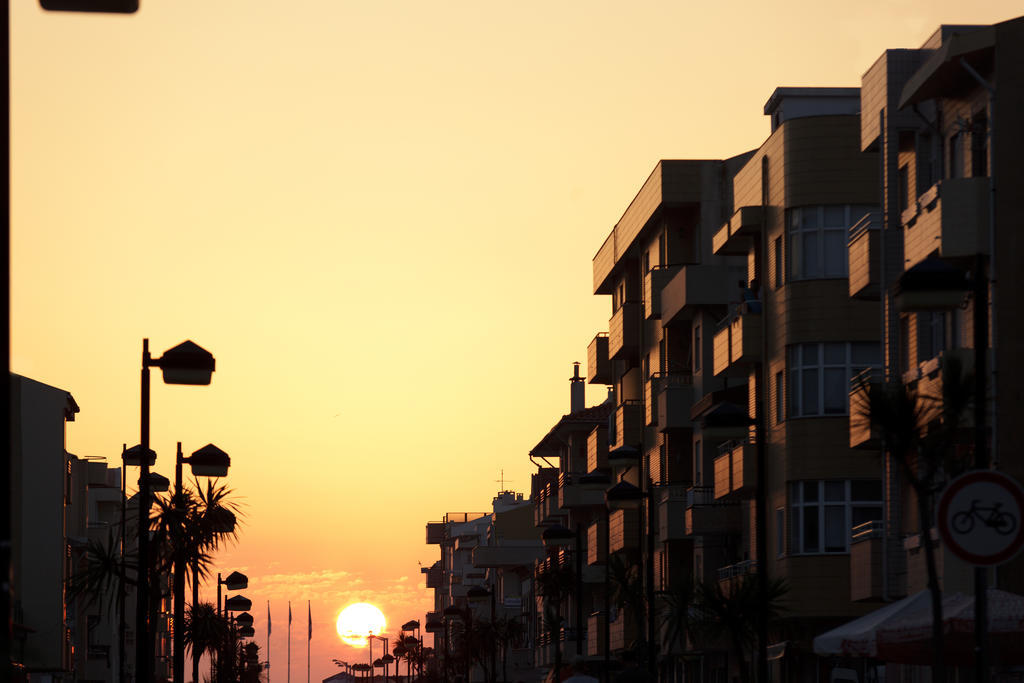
(794, 344)
(95, 507)
(668, 291)
(567, 586)
(41, 496)
(945, 120)
(482, 554)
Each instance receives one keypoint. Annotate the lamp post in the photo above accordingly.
(414, 626)
(236, 603)
(130, 457)
(186, 363)
(208, 461)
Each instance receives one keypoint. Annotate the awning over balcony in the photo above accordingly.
(943, 73)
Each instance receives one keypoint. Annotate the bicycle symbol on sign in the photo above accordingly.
(1003, 523)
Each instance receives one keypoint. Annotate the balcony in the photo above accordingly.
(671, 513)
(506, 557)
(862, 434)
(737, 235)
(735, 469)
(674, 400)
(952, 216)
(694, 286)
(623, 530)
(597, 449)
(597, 542)
(434, 575)
(599, 367)
(654, 281)
(435, 533)
(572, 495)
(595, 634)
(629, 424)
(545, 507)
(624, 331)
(707, 516)
(863, 253)
(866, 561)
(737, 342)
(731, 575)
(622, 632)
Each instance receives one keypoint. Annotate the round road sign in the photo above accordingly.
(979, 517)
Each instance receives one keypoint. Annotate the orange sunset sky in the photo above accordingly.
(380, 218)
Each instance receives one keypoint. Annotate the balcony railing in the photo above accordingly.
(673, 399)
(708, 516)
(738, 339)
(624, 331)
(654, 281)
(735, 468)
(597, 449)
(864, 259)
(866, 565)
(599, 367)
(951, 217)
(627, 424)
(596, 634)
(862, 434)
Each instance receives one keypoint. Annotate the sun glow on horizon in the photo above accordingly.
(358, 621)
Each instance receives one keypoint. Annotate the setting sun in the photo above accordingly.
(359, 620)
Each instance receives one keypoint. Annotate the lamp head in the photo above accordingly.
(209, 461)
(187, 363)
(133, 456)
(238, 603)
(236, 581)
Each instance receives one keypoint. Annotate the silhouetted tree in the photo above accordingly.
(924, 434)
(733, 612)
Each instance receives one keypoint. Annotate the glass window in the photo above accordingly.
(818, 239)
(820, 375)
(823, 513)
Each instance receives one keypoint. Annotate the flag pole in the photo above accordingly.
(309, 636)
(289, 641)
(268, 641)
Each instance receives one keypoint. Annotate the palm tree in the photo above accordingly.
(734, 613)
(679, 602)
(554, 584)
(205, 631)
(188, 529)
(627, 591)
(922, 432)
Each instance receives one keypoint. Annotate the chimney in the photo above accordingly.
(577, 390)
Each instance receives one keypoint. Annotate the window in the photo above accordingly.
(780, 532)
(780, 396)
(820, 373)
(931, 334)
(696, 347)
(956, 155)
(818, 239)
(777, 248)
(823, 512)
(903, 188)
(698, 461)
(979, 145)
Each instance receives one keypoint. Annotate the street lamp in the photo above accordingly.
(130, 457)
(208, 461)
(186, 363)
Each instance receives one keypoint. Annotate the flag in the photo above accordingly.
(289, 615)
(310, 613)
(269, 630)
